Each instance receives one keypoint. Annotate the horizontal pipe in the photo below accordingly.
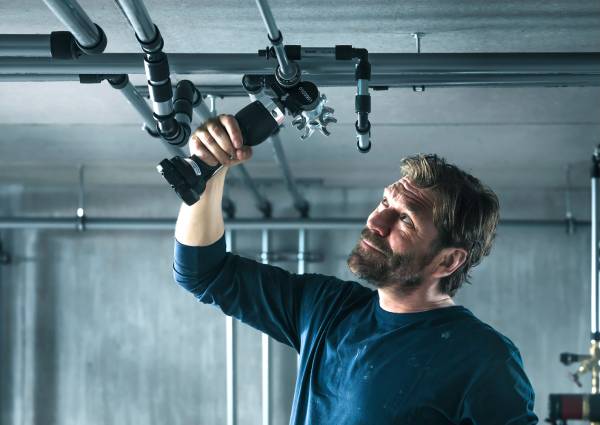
(37, 78)
(72, 223)
(390, 81)
(70, 13)
(382, 64)
(25, 45)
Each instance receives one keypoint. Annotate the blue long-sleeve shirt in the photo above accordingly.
(360, 364)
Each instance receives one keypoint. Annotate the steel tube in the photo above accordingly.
(391, 81)
(25, 45)
(300, 202)
(391, 64)
(35, 78)
(70, 13)
(595, 240)
(139, 104)
(139, 19)
(265, 347)
(301, 250)
(118, 223)
(230, 354)
(285, 67)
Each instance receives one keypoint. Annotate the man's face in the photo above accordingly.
(396, 246)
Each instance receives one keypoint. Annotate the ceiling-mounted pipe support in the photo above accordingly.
(83, 37)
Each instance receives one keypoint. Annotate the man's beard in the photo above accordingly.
(402, 272)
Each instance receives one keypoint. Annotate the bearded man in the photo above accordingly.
(401, 354)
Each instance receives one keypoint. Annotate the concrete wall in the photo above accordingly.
(94, 330)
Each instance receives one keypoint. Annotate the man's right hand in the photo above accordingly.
(219, 141)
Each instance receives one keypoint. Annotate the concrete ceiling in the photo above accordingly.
(510, 137)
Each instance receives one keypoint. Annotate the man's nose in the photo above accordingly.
(378, 222)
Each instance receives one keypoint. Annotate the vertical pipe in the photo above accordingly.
(301, 251)
(230, 354)
(595, 174)
(301, 265)
(266, 348)
(70, 13)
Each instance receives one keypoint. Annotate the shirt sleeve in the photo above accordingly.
(268, 298)
(502, 395)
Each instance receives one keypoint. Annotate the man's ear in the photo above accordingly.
(448, 261)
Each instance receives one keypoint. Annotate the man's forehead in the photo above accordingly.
(417, 197)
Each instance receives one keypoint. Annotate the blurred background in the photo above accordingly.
(92, 328)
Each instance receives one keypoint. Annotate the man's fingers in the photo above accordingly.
(215, 149)
(244, 153)
(211, 145)
(233, 128)
(201, 152)
(219, 134)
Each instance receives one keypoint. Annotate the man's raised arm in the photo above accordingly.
(217, 141)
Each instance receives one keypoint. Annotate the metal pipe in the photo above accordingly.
(25, 45)
(595, 240)
(287, 70)
(123, 84)
(300, 203)
(387, 81)
(265, 346)
(139, 104)
(117, 223)
(139, 19)
(26, 78)
(262, 203)
(301, 250)
(391, 64)
(230, 353)
(70, 13)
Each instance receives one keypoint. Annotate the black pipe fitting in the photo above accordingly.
(155, 45)
(293, 52)
(595, 169)
(184, 100)
(363, 70)
(277, 40)
(303, 208)
(63, 45)
(362, 103)
(157, 67)
(118, 81)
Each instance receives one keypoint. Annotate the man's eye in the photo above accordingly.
(405, 218)
(385, 203)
